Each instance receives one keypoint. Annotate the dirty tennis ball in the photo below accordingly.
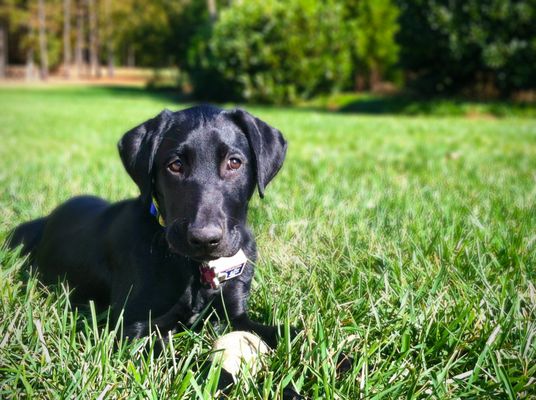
(237, 348)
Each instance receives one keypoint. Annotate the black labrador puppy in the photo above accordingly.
(183, 243)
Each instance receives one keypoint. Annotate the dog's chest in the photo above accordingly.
(201, 300)
(177, 286)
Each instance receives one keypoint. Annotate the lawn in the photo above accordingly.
(408, 242)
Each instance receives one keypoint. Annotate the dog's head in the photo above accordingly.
(201, 165)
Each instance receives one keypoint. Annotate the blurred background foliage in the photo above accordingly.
(283, 51)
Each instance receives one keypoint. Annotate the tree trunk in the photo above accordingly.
(67, 56)
(360, 82)
(131, 57)
(79, 38)
(43, 47)
(212, 10)
(3, 50)
(30, 65)
(111, 70)
(109, 39)
(93, 39)
(375, 76)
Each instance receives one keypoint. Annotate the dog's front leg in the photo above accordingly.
(267, 333)
(163, 324)
(235, 296)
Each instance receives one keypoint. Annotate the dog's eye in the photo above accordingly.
(176, 167)
(234, 163)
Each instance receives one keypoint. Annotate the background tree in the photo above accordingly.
(4, 12)
(471, 46)
(212, 10)
(377, 25)
(30, 44)
(108, 37)
(284, 51)
(67, 57)
(15, 24)
(3, 49)
(80, 39)
(93, 39)
(373, 25)
(43, 45)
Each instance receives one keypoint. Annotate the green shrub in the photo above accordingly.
(272, 51)
(482, 47)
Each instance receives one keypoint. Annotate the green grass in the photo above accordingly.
(407, 242)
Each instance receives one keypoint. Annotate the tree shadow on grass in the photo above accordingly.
(352, 103)
(404, 105)
(421, 106)
(166, 94)
(387, 105)
(358, 105)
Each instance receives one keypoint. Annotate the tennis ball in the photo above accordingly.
(236, 348)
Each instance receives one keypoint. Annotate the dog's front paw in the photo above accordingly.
(136, 330)
(294, 332)
(291, 394)
(344, 364)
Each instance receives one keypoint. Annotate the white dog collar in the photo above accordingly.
(222, 269)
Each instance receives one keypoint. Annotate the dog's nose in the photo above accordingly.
(208, 236)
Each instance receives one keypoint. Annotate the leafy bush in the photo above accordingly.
(272, 51)
(374, 24)
(471, 45)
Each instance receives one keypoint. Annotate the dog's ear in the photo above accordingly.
(268, 146)
(138, 147)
